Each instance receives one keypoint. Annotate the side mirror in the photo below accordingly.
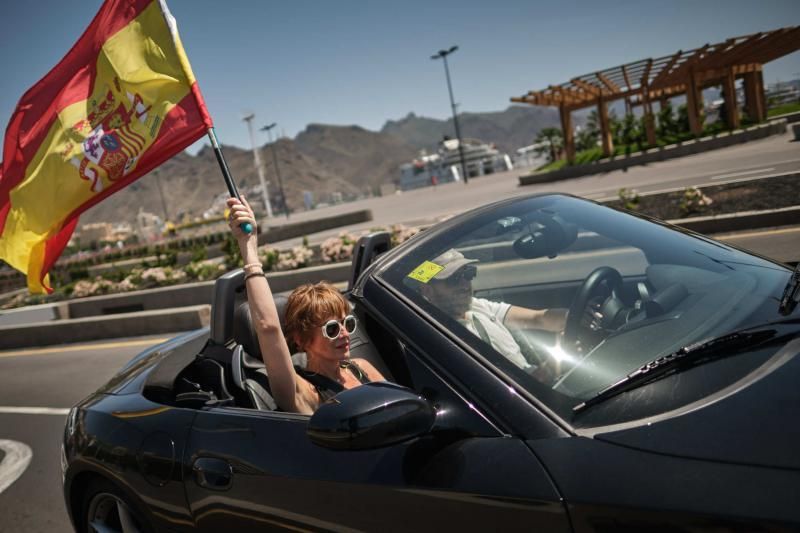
(371, 416)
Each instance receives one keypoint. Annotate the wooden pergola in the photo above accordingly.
(648, 80)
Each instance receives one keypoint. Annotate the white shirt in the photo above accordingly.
(491, 316)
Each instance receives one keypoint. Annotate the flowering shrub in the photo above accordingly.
(629, 198)
(204, 270)
(269, 258)
(693, 201)
(161, 276)
(297, 257)
(338, 248)
(401, 233)
(93, 287)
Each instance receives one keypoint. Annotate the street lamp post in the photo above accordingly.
(259, 166)
(268, 129)
(442, 54)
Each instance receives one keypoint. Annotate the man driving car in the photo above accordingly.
(450, 289)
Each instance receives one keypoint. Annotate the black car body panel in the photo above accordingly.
(746, 426)
(704, 448)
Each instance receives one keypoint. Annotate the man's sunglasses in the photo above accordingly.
(333, 328)
(466, 273)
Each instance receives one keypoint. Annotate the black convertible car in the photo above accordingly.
(670, 401)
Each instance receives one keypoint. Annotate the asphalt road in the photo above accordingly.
(36, 389)
(56, 378)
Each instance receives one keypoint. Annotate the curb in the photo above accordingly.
(652, 155)
(105, 327)
(741, 221)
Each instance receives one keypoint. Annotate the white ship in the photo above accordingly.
(444, 166)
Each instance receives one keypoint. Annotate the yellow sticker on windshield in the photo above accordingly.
(425, 272)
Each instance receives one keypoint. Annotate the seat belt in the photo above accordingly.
(482, 333)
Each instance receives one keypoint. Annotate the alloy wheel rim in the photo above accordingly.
(109, 514)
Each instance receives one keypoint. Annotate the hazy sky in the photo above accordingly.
(358, 62)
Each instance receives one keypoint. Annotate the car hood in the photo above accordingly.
(755, 424)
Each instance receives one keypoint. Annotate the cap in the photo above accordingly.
(452, 261)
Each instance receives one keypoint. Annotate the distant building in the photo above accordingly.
(105, 231)
(782, 93)
(445, 165)
(150, 227)
(534, 155)
(308, 200)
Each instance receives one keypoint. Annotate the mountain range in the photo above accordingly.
(323, 159)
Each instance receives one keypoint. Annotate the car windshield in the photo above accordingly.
(502, 279)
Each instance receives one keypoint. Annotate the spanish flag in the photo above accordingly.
(120, 103)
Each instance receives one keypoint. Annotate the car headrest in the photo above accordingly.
(243, 331)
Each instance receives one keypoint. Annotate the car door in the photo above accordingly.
(259, 470)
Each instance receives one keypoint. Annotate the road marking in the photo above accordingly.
(745, 173)
(83, 347)
(17, 458)
(5, 410)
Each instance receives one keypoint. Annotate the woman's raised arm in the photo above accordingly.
(290, 392)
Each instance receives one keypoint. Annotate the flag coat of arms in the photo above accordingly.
(121, 102)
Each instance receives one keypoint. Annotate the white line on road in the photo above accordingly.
(33, 411)
(17, 458)
(745, 173)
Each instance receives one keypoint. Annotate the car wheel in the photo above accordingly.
(106, 509)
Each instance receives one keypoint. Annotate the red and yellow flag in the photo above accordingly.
(120, 103)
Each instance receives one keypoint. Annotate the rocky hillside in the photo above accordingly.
(510, 129)
(323, 159)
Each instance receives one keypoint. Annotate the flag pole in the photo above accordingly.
(187, 71)
(226, 174)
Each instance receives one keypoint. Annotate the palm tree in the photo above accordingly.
(550, 141)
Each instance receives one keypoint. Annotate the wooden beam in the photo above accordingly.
(737, 50)
(681, 72)
(613, 87)
(693, 102)
(716, 53)
(606, 138)
(665, 70)
(625, 75)
(763, 46)
(705, 76)
(645, 79)
(588, 87)
(752, 97)
(729, 94)
(790, 43)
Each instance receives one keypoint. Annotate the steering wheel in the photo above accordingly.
(572, 327)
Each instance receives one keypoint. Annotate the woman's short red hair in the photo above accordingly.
(310, 306)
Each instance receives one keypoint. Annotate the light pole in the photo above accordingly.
(259, 167)
(442, 54)
(268, 129)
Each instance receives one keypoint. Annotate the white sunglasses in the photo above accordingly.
(333, 328)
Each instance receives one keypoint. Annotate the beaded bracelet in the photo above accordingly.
(254, 274)
(252, 265)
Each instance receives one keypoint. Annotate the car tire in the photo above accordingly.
(107, 508)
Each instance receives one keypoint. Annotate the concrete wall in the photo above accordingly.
(659, 154)
(105, 327)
